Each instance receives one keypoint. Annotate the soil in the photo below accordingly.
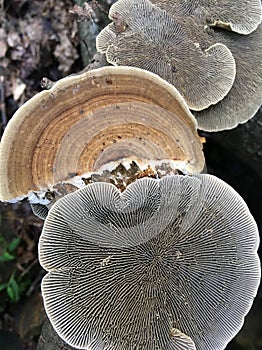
(45, 39)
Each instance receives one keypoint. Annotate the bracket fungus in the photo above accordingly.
(241, 17)
(153, 40)
(217, 71)
(90, 121)
(245, 97)
(166, 264)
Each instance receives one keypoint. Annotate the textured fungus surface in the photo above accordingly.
(245, 97)
(203, 78)
(87, 121)
(152, 39)
(242, 16)
(164, 265)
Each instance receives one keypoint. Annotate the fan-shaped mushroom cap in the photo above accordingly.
(242, 16)
(244, 99)
(40, 210)
(145, 36)
(87, 121)
(134, 269)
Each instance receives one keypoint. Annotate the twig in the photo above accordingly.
(34, 284)
(33, 263)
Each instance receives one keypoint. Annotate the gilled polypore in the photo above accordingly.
(209, 50)
(92, 122)
(166, 264)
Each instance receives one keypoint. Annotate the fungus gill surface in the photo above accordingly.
(242, 16)
(166, 264)
(241, 101)
(98, 118)
(245, 97)
(152, 39)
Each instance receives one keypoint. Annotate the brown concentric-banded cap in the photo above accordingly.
(245, 97)
(88, 121)
(242, 17)
(145, 36)
(165, 264)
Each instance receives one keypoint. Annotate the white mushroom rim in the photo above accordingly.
(40, 197)
(166, 264)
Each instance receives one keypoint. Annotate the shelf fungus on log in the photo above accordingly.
(145, 36)
(201, 17)
(168, 263)
(180, 42)
(92, 122)
(245, 97)
(241, 17)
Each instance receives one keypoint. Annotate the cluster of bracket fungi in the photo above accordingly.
(209, 50)
(143, 249)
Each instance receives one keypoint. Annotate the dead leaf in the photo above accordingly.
(3, 48)
(17, 88)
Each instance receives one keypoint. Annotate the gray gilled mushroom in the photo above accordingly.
(242, 16)
(93, 120)
(145, 36)
(241, 101)
(245, 97)
(166, 264)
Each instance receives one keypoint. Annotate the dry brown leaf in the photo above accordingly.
(3, 48)
(17, 88)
